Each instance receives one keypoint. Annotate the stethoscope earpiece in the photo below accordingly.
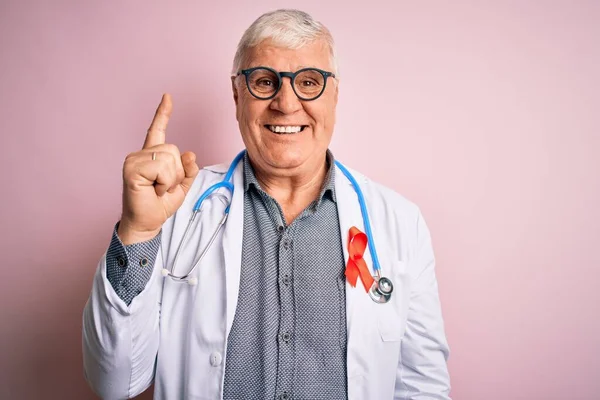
(381, 291)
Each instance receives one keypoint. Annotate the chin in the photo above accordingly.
(286, 159)
(283, 151)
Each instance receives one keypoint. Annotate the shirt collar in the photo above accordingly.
(327, 190)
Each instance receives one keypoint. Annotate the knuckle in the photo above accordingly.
(128, 163)
(129, 158)
(180, 174)
(168, 164)
(129, 172)
(169, 158)
(171, 148)
(164, 161)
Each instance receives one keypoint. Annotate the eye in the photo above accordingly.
(265, 82)
(308, 83)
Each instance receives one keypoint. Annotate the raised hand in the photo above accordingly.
(155, 181)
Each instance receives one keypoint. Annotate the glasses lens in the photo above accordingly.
(263, 83)
(309, 84)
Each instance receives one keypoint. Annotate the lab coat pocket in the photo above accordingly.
(391, 316)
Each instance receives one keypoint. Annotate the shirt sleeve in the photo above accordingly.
(129, 267)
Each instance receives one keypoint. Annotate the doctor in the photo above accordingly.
(270, 313)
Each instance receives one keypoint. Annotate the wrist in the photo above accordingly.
(130, 235)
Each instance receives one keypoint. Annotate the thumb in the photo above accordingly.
(188, 159)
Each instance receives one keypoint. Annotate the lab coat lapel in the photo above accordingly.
(356, 297)
(232, 244)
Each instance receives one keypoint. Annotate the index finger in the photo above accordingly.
(158, 128)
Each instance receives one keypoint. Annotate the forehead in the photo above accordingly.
(268, 54)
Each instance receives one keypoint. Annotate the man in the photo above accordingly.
(275, 309)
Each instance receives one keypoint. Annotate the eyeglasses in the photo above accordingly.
(264, 83)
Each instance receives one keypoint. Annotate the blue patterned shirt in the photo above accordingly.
(288, 338)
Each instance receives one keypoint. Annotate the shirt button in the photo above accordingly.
(215, 359)
(121, 261)
(280, 228)
(286, 279)
(286, 243)
(144, 262)
(285, 396)
(286, 337)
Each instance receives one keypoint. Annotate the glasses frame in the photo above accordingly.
(283, 74)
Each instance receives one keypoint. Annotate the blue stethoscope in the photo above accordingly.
(382, 288)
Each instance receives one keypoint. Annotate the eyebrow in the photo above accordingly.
(298, 69)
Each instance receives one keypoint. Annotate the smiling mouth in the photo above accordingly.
(285, 129)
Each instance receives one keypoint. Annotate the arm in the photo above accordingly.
(121, 317)
(422, 373)
(120, 320)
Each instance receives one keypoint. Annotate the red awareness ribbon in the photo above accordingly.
(357, 243)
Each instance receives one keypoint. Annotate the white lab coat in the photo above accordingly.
(176, 334)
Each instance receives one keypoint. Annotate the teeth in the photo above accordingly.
(284, 129)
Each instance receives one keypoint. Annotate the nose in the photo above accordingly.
(286, 100)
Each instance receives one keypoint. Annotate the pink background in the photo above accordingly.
(483, 113)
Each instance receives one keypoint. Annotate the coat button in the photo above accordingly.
(144, 262)
(121, 261)
(215, 359)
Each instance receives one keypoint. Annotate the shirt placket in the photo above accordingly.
(285, 337)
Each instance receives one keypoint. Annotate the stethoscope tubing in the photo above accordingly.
(365, 216)
(376, 293)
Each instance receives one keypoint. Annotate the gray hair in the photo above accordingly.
(291, 29)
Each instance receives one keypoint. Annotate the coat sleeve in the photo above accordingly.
(422, 372)
(120, 341)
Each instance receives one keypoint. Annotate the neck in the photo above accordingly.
(296, 190)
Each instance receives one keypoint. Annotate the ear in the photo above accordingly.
(234, 89)
(337, 90)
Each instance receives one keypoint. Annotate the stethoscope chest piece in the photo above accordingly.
(381, 291)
